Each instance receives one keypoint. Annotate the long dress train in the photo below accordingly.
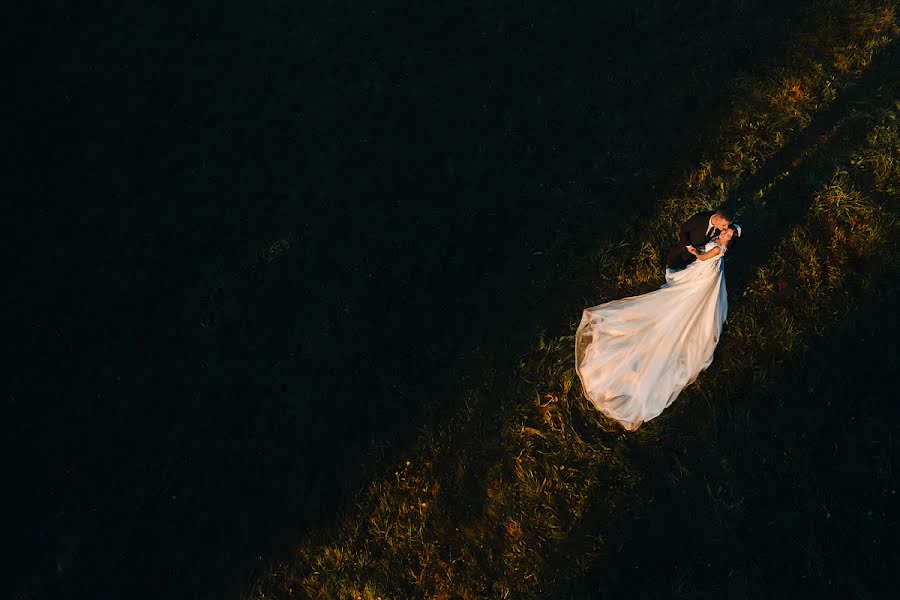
(635, 355)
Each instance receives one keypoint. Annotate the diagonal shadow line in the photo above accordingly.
(767, 222)
(830, 138)
(806, 155)
(786, 155)
(879, 71)
(628, 539)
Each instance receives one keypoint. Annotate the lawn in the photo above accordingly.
(772, 476)
(294, 294)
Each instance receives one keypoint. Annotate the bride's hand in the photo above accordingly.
(692, 250)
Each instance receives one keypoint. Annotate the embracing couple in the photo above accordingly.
(635, 355)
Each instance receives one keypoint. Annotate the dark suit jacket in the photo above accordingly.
(692, 233)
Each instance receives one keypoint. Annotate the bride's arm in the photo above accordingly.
(711, 253)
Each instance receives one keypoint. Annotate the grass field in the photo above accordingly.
(772, 476)
(294, 294)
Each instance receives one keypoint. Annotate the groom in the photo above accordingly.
(697, 231)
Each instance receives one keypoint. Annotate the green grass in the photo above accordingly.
(213, 203)
(528, 492)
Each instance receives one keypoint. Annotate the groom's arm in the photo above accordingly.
(684, 234)
(712, 253)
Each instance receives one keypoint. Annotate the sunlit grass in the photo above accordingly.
(509, 502)
(769, 111)
(881, 157)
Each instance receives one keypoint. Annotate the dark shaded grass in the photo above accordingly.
(525, 526)
(778, 484)
(795, 496)
(791, 492)
(187, 182)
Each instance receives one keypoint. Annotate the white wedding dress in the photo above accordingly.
(635, 355)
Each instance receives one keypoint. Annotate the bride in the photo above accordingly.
(635, 355)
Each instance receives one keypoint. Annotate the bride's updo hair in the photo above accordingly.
(734, 238)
